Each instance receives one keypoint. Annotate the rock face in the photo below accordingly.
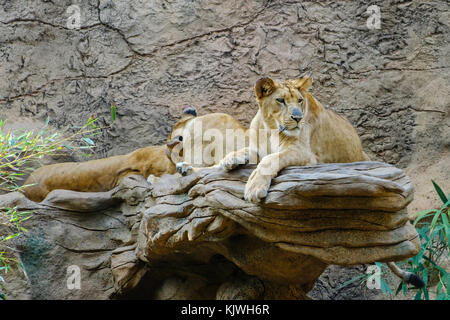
(195, 237)
(151, 58)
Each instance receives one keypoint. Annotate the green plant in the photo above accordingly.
(434, 231)
(19, 153)
(19, 150)
(14, 223)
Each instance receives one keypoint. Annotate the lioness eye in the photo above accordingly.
(300, 100)
(280, 100)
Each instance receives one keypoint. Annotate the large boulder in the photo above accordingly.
(195, 237)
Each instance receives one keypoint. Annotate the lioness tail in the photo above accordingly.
(408, 277)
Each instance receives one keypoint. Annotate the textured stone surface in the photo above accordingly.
(92, 231)
(195, 237)
(150, 58)
(338, 213)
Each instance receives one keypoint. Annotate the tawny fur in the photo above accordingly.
(320, 136)
(195, 131)
(97, 175)
(105, 174)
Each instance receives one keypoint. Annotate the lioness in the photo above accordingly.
(206, 139)
(101, 174)
(104, 174)
(306, 132)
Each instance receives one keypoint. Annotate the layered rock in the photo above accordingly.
(195, 237)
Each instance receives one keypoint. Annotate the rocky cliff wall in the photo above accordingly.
(150, 58)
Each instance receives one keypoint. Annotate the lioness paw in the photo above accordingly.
(233, 161)
(184, 168)
(152, 179)
(257, 187)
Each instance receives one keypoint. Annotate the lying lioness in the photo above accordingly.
(101, 174)
(206, 139)
(104, 174)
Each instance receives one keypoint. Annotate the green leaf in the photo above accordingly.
(436, 266)
(113, 112)
(441, 296)
(418, 295)
(446, 227)
(380, 265)
(404, 288)
(423, 232)
(447, 276)
(447, 204)
(346, 283)
(425, 277)
(385, 287)
(440, 192)
(425, 293)
(434, 221)
(91, 122)
(89, 141)
(439, 287)
(12, 236)
(399, 288)
(422, 214)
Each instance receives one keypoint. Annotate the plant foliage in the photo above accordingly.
(20, 151)
(434, 231)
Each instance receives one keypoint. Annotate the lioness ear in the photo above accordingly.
(304, 83)
(172, 143)
(264, 87)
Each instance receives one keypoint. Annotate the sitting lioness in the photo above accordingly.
(306, 133)
(290, 128)
(101, 174)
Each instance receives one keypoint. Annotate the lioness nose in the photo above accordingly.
(297, 115)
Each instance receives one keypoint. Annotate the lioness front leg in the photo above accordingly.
(230, 162)
(236, 159)
(259, 182)
(184, 168)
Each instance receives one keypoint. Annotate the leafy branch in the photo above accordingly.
(20, 151)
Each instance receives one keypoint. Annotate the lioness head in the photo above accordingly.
(284, 106)
(174, 149)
